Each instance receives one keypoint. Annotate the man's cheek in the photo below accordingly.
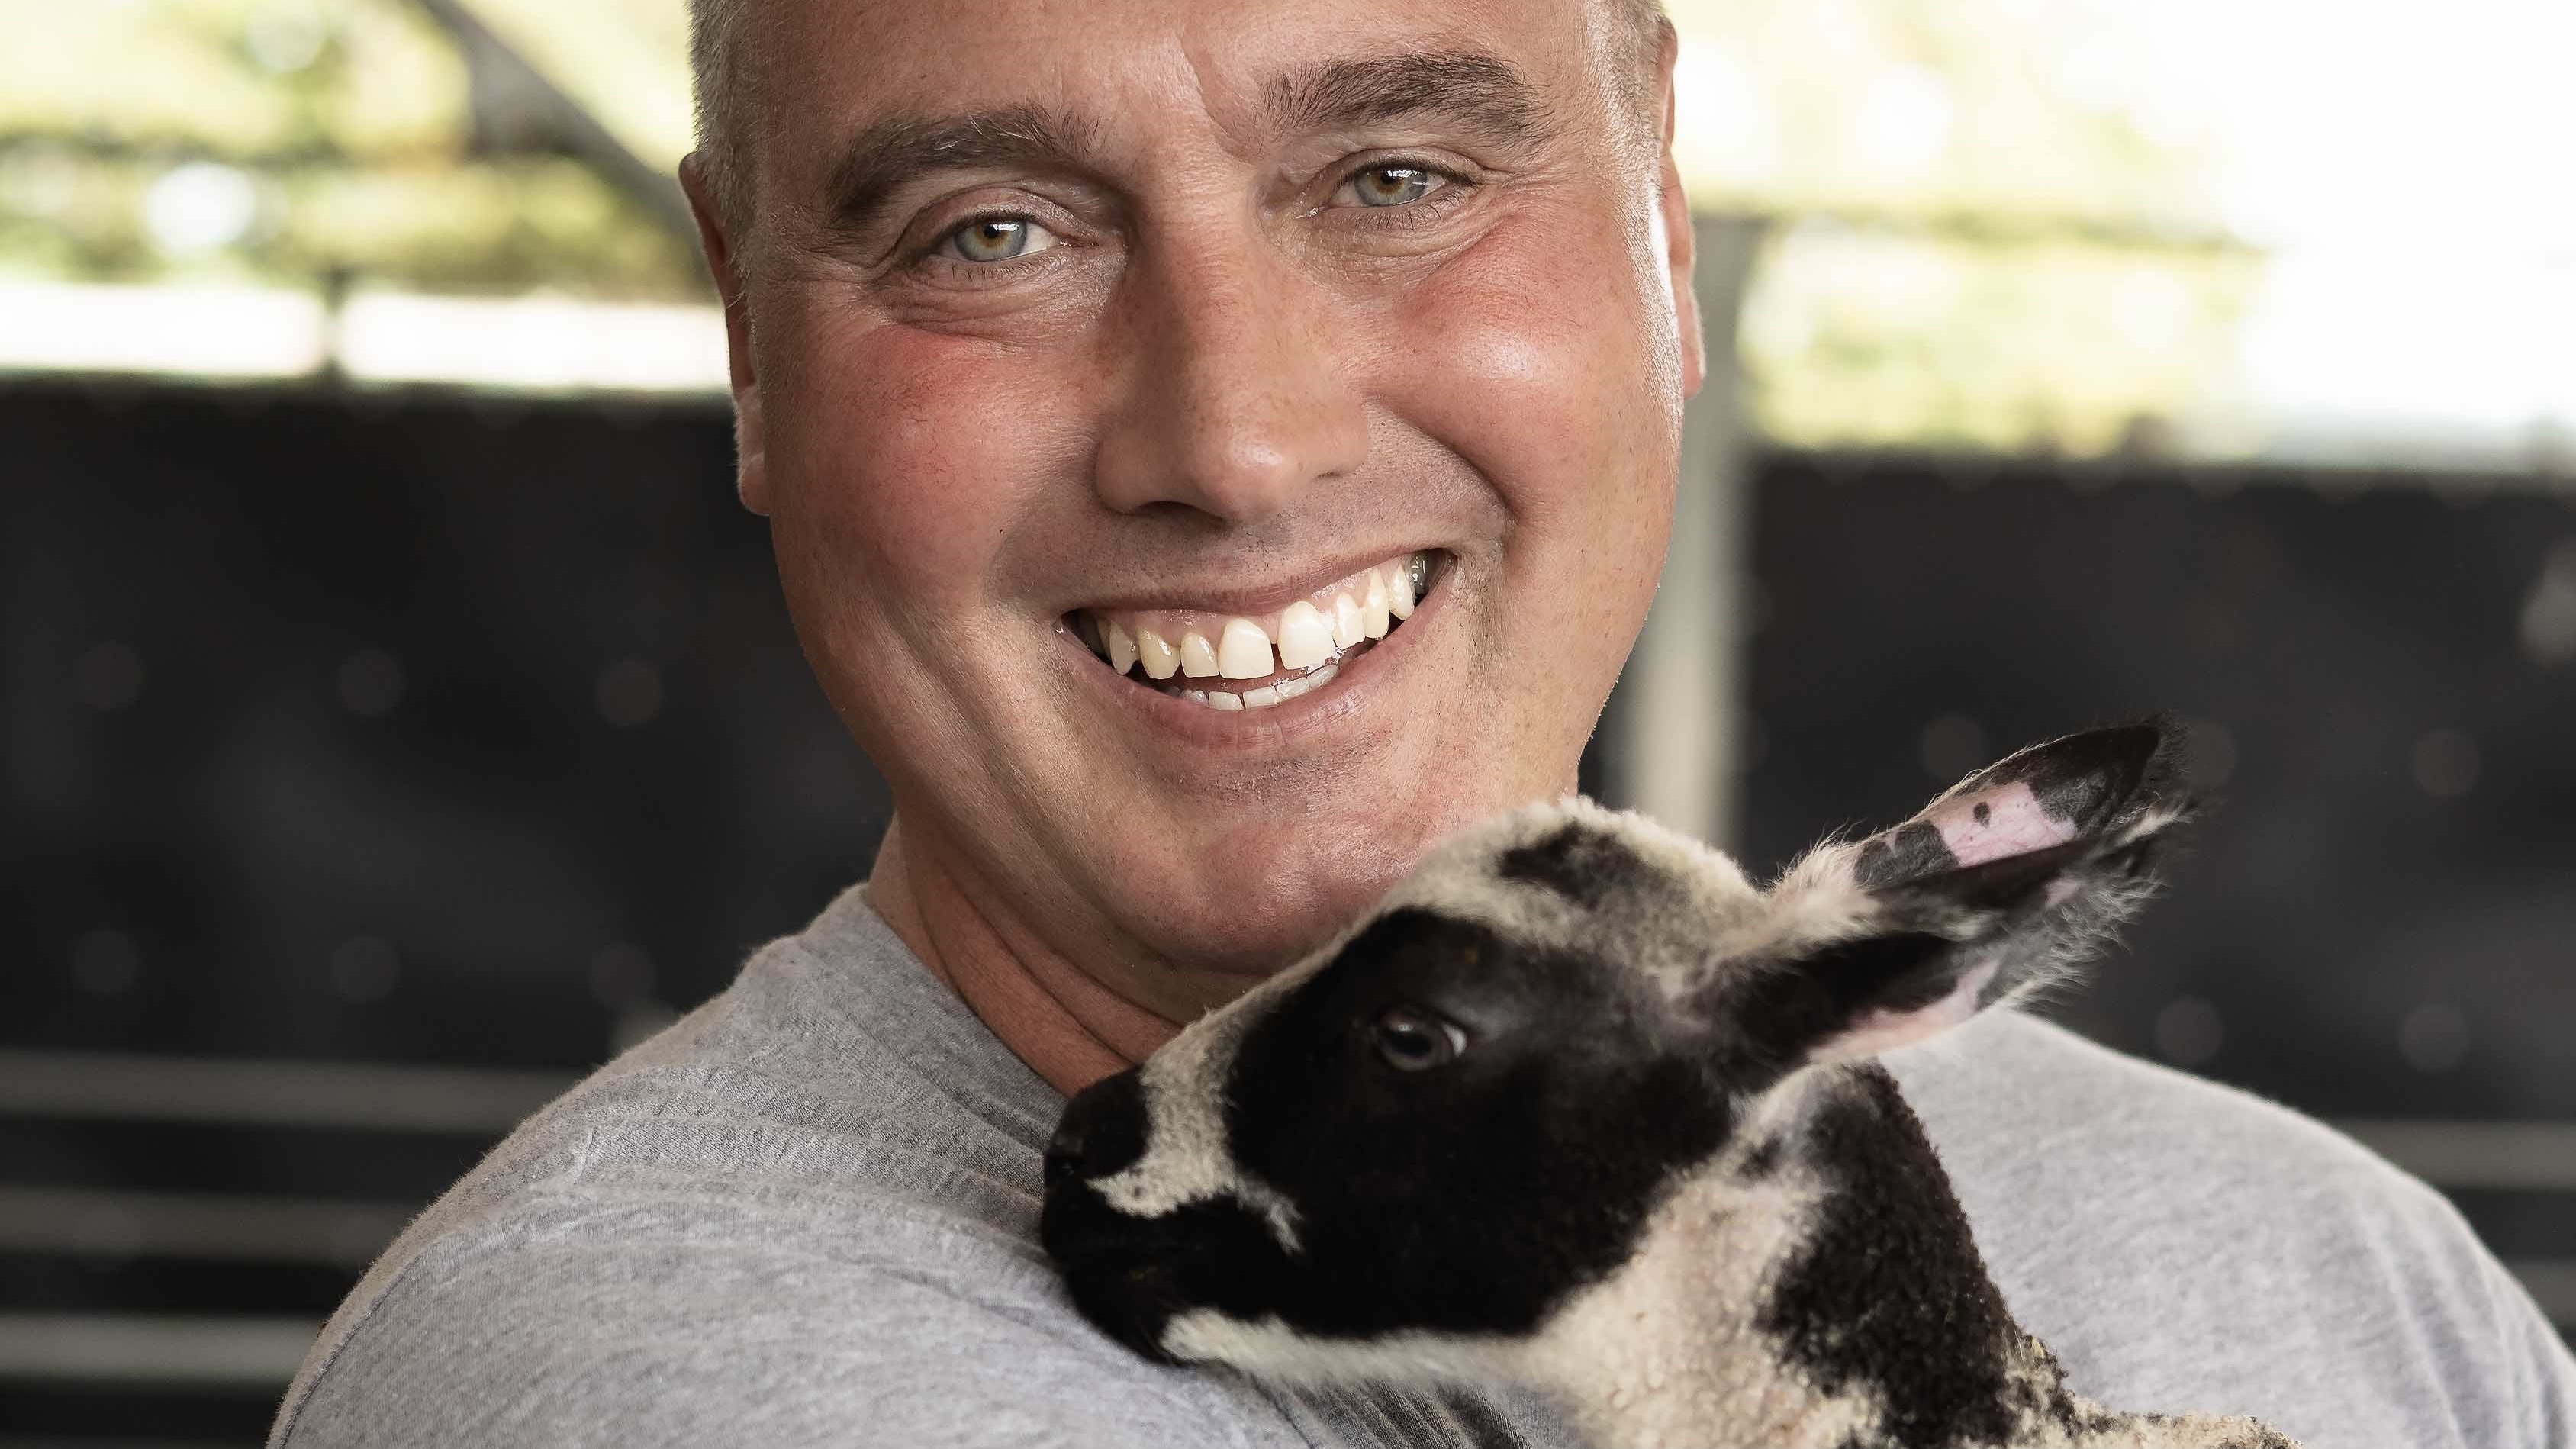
(1535, 373)
(919, 447)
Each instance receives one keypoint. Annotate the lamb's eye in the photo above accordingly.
(1416, 1041)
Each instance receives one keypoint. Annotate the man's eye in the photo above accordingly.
(1394, 185)
(997, 239)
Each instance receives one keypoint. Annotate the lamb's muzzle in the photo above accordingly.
(1579, 1106)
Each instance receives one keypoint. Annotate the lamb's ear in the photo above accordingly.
(2000, 884)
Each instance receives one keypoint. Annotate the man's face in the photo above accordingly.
(1063, 323)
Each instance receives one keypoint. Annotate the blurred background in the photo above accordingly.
(399, 716)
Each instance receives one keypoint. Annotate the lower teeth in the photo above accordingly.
(1266, 696)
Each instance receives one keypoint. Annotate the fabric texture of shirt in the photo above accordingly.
(807, 1215)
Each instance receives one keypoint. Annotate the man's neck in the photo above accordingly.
(1058, 1017)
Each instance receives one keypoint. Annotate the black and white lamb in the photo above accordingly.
(1576, 1106)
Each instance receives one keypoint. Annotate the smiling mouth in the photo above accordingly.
(1232, 662)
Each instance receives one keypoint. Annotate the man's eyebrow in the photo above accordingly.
(1486, 92)
(892, 152)
(1483, 90)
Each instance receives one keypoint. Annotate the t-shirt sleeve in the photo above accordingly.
(589, 1338)
(2538, 1364)
(2423, 1313)
(2183, 1246)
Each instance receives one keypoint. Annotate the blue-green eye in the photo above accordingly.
(1394, 185)
(998, 239)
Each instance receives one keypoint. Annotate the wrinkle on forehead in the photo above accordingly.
(1147, 68)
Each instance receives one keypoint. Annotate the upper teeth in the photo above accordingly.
(1243, 650)
(1306, 638)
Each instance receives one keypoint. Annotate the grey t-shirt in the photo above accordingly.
(807, 1215)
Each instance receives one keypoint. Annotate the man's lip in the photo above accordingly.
(1231, 595)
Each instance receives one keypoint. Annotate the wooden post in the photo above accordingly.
(1675, 724)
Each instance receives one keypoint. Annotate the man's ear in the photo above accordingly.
(751, 475)
(1999, 886)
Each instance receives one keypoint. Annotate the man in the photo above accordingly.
(1127, 328)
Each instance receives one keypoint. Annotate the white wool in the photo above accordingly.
(1668, 1349)
(1271, 1350)
(1186, 1159)
(1673, 938)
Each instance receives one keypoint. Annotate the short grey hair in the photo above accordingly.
(725, 90)
(728, 76)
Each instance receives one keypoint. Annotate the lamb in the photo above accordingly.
(1579, 1107)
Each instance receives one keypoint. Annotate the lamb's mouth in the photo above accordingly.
(1239, 662)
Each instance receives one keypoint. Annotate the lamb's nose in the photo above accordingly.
(1102, 1132)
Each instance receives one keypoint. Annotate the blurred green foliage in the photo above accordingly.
(1992, 230)
(1999, 226)
(1877, 339)
(293, 142)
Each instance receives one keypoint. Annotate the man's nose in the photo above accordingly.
(1237, 387)
(1102, 1131)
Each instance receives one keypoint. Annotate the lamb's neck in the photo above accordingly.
(1823, 1289)
(1819, 1285)
(1669, 1350)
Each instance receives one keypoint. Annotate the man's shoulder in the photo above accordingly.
(757, 1105)
(765, 1184)
(637, 1311)
(2182, 1244)
(2015, 1094)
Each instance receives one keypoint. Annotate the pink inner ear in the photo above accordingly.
(1992, 824)
(1882, 1030)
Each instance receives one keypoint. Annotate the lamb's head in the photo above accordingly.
(1429, 1136)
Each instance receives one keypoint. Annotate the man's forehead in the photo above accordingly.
(834, 67)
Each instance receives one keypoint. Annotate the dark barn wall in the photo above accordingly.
(418, 731)
(2392, 772)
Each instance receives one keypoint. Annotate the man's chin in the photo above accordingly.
(1255, 907)
(1262, 933)
(1248, 884)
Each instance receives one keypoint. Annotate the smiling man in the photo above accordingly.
(1212, 451)
(1320, 366)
